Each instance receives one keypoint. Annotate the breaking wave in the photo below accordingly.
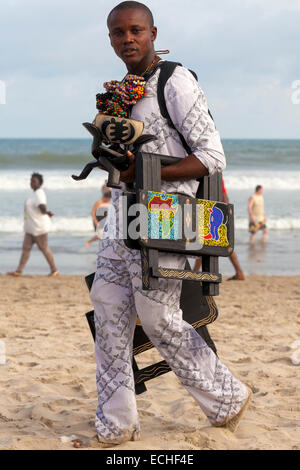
(84, 224)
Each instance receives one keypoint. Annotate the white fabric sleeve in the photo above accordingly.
(188, 110)
(40, 197)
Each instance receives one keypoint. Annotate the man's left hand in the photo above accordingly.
(128, 176)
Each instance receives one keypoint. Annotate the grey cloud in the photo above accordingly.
(60, 50)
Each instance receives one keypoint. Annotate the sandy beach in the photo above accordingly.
(48, 383)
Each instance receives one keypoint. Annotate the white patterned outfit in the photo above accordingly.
(117, 293)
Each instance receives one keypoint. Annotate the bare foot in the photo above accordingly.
(54, 274)
(237, 277)
(15, 274)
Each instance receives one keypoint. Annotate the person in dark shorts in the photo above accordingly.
(36, 227)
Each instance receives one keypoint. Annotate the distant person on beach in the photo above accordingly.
(36, 227)
(239, 275)
(98, 219)
(257, 218)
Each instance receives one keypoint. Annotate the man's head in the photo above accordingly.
(259, 189)
(36, 181)
(132, 34)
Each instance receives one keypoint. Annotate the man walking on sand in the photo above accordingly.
(257, 217)
(117, 292)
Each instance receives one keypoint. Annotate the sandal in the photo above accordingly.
(104, 442)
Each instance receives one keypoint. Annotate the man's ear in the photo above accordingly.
(153, 33)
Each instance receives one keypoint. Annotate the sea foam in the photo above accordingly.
(235, 180)
(84, 224)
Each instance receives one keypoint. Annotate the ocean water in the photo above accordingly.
(275, 164)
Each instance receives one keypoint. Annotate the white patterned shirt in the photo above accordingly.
(188, 110)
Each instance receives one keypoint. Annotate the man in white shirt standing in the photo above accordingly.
(36, 227)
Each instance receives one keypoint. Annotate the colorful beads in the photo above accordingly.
(121, 95)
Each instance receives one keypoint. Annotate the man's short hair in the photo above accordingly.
(38, 176)
(132, 5)
(258, 187)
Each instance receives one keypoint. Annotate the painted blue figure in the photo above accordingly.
(215, 222)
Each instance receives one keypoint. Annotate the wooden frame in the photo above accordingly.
(148, 178)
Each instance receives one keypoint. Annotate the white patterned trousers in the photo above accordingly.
(118, 297)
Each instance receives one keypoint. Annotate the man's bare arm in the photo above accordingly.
(44, 211)
(188, 168)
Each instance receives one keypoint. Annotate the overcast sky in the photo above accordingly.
(55, 56)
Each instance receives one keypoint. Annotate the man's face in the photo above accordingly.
(131, 36)
(34, 183)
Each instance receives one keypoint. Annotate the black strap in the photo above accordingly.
(166, 71)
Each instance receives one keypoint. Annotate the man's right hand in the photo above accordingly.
(128, 176)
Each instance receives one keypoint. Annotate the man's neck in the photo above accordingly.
(141, 68)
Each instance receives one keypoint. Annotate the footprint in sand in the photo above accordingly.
(295, 357)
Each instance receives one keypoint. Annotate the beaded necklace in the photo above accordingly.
(120, 96)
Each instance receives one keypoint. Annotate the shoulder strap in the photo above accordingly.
(166, 71)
